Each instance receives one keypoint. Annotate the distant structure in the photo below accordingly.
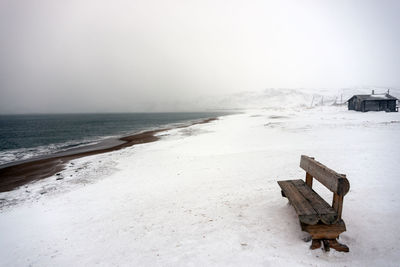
(373, 102)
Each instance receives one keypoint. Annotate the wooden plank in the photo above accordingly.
(337, 204)
(309, 179)
(334, 181)
(324, 231)
(303, 208)
(325, 212)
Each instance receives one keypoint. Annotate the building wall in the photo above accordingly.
(380, 105)
(359, 105)
(351, 104)
(392, 105)
(371, 105)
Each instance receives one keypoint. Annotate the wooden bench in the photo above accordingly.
(322, 221)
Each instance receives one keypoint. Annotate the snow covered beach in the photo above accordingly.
(17, 174)
(207, 195)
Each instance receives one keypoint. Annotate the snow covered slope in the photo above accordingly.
(284, 98)
(207, 196)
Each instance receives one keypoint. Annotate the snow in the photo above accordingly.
(207, 196)
(379, 96)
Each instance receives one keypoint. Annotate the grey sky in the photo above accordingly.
(126, 55)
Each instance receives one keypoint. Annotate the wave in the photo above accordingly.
(21, 154)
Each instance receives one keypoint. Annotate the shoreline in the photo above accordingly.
(20, 174)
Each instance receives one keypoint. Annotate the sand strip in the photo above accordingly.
(17, 175)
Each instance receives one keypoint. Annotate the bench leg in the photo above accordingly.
(333, 243)
(328, 234)
(328, 244)
(316, 243)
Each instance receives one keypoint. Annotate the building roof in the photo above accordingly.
(374, 97)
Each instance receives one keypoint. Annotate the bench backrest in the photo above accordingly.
(335, 182)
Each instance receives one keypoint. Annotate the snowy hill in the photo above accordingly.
(282, 98)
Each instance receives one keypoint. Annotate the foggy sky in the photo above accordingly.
(127, 55)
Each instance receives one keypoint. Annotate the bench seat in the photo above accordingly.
(309, 206)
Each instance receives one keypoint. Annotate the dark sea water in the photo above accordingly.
(28, 136)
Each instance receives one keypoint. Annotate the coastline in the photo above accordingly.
(207, 195)
(25, 172)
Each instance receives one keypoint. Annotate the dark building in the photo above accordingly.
(378, 102)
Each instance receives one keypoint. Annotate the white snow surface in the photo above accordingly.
(207, 195)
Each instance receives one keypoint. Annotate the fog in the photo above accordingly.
(156, 55)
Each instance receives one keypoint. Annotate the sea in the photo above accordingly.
(26, 137)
